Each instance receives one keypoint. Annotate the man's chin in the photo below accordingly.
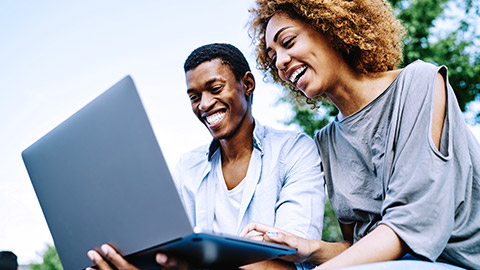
(220, 135)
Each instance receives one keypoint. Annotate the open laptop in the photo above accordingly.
(100, 177)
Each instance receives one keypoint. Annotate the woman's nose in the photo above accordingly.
(282, 60)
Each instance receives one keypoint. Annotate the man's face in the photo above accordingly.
(218, 100)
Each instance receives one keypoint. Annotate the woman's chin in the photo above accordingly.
(310, 93)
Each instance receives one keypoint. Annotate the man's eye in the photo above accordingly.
(193, 98)
(216, 89)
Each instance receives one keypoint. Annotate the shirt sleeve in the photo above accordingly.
(301, 200)
(419, 187)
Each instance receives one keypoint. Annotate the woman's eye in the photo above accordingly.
(273, 60)
(288, 42)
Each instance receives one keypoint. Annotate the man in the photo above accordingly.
(8, 261)
(248, 172)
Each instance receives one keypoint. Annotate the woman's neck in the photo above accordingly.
(355, 91)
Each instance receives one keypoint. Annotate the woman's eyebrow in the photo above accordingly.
(275, 38)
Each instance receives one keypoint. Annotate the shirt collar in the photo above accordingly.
(258, 135)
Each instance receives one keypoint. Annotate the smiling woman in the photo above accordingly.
(368, 44)
(398, 141)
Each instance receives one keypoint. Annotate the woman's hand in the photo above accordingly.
(304, 247)
(120, 263)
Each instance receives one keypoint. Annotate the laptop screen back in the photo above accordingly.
(100, 177)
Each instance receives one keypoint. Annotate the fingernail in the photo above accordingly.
(271, 234)
(161, 258)
(91, 255)
(104, 249)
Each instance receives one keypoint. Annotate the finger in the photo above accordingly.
(281, 238)
(171, 262)
(302, 245)
(256, 237)
(98, 260)
(255, 226)
(161, 259)
(245, 230)
(115, 258)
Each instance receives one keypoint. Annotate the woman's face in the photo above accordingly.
(303, 56)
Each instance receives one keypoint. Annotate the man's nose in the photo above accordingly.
(206, 102)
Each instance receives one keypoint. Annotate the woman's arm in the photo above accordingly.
(382, 244)
(313, 251)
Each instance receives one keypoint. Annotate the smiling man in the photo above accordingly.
(248, 172)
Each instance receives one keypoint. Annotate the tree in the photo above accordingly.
(51, 261)
(457, 49)
(454, 49)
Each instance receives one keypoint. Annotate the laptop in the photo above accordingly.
(100, 177)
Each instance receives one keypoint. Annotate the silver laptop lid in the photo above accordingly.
(105, 157)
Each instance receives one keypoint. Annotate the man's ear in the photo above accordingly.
(248, 83)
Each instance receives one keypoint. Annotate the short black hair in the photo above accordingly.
(8, 260)
(229, 54)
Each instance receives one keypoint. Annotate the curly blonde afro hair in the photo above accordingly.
(365, 32)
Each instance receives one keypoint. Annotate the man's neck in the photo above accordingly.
(240, 144)
(236, 152)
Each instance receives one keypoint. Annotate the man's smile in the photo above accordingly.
(215, 118)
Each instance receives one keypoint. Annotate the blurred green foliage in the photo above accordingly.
(51, 261)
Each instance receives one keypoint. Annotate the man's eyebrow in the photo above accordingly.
(207, 84)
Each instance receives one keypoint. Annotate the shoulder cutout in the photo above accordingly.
(439, 108)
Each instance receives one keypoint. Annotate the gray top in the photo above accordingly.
(382, 167)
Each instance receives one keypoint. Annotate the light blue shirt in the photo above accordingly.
(284, 185)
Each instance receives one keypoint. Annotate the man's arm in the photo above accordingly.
(301, 200)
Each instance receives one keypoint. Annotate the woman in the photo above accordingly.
(401, 166)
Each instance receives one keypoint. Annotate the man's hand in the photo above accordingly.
(120, 263)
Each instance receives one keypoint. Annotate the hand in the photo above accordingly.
(120, 263)
(304, 247)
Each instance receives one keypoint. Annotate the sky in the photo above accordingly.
(56, 56)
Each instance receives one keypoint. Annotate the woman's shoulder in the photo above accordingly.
(416, 80)
(324, 133)
(419, 67)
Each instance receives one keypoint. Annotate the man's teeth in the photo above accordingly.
(295, 76)
(215, 118)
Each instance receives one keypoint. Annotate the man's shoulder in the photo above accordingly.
(284, 133)
(194, 157)
(287, 139)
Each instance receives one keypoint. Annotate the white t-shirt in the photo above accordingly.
(227, 203)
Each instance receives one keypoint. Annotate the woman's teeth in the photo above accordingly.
(296, 75)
